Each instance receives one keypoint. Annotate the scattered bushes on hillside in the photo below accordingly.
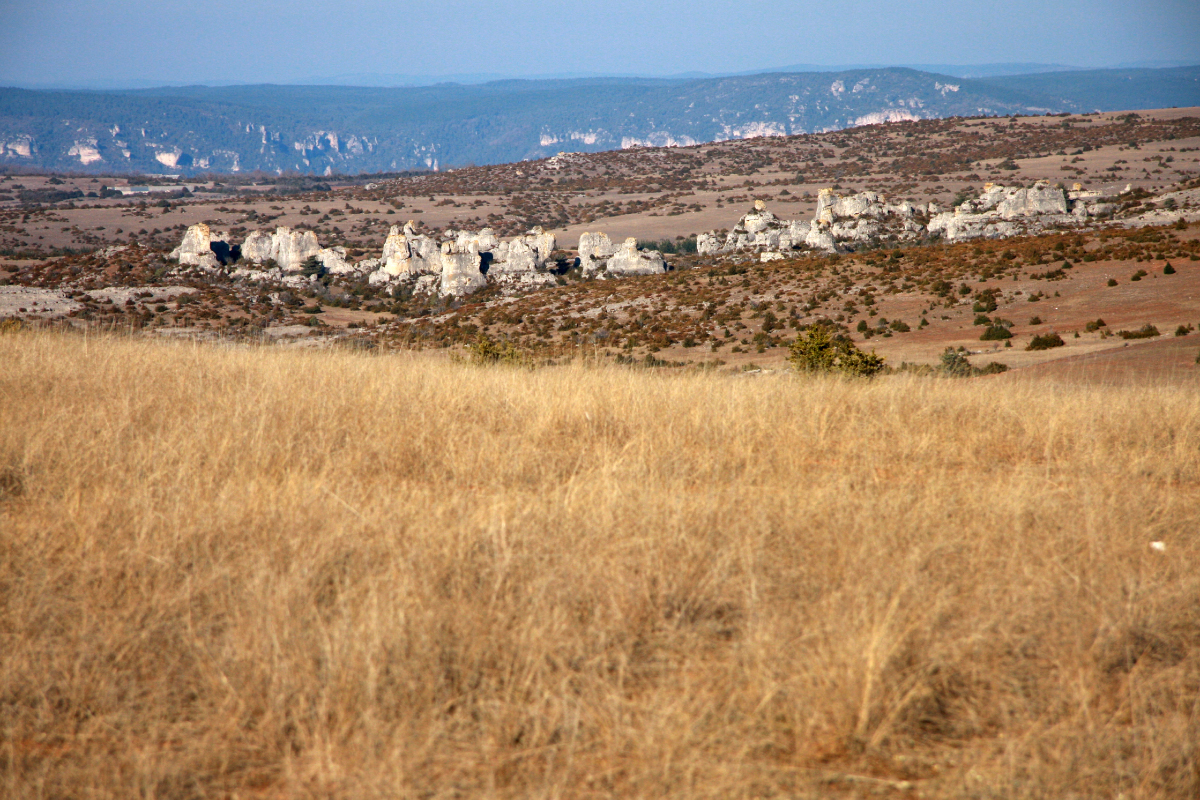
(1147, 331)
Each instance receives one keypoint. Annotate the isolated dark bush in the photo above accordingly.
(1045, 342)
(995, 333)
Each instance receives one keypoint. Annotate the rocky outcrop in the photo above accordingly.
(867, 219)
(200, 247)
(461, 273)
(839, 223)
(1002, 211)
(465, 262)
(289, 249)
(599, 257)
(407, 255)
(595, 249)
(524, 254)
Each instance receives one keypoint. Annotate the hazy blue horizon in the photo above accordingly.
(134, 44)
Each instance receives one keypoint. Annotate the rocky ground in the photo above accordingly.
(909, 297)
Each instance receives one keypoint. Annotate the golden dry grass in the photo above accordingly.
(252, 573)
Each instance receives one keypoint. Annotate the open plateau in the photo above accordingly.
(858, 463)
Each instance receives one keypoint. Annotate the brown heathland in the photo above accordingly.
(250, 572)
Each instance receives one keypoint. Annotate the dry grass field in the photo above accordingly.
(236, 572)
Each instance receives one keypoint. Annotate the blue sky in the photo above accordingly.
(94, 42)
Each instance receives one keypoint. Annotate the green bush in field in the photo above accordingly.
(821, 351)
(995, 333)
(1045, 342)
(486, 350)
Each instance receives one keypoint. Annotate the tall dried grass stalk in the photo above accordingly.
(252, 573)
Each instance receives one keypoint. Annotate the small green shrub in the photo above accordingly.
(821, 351)
(1168, 269)
(954, 364)
(485, 350)
(1112, 281)
(1095, 325)
(995, 333)
(1045, 342)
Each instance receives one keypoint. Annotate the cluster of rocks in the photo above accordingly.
(456, 263)
(1002, 211)
(843, 224)
(599, 257)
(839, 224)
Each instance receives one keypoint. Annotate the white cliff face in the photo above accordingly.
(86, 152)
(168, 158)
(20, 146)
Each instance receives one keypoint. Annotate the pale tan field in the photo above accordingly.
(232, 572)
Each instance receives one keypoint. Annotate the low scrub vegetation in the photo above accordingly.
(1045, 341)
(241, 572)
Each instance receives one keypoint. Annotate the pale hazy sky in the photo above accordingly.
(114, 41)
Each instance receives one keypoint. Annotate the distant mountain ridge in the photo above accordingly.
(325, 129)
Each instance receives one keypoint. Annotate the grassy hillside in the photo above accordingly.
(258, 573)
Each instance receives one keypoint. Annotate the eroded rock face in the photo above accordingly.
(289, 249)
(866, 219)
(528, 253)
(595, 249)
(408, 255)
(460, 270)
(1003, 211)
(197, 247)
(628, 260)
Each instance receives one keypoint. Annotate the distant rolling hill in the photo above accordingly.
(324, 129)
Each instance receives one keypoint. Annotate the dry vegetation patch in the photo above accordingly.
(250, 572)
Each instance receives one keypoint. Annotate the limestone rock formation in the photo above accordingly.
(287, 248)
(595, 249)
(1002, 211)
(199, 247)
(628, 260)
(460, 269)
(407, 255)
(528, 253)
